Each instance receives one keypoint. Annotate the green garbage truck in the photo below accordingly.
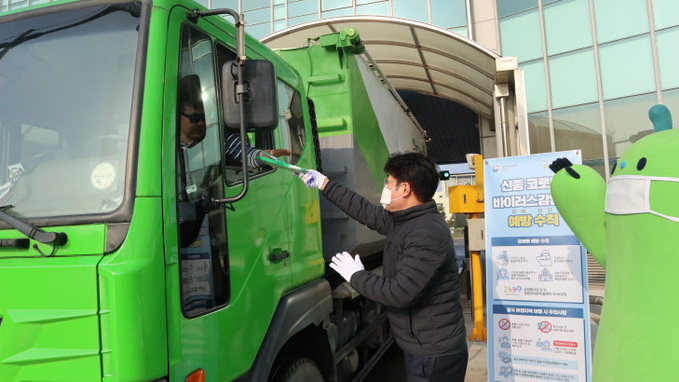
(137, 247)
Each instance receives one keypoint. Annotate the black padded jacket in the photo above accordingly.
(419, 286)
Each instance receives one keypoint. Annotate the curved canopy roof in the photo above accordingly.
(414, 56)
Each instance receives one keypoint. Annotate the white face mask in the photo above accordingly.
(630, 194)
(386, 199)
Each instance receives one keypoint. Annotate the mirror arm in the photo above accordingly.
(240, 88)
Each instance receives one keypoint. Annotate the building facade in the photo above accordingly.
(592, 68)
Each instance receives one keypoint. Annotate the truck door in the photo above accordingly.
(222, 282)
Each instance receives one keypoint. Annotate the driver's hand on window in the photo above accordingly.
(279, 152)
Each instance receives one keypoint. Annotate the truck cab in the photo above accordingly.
(135, 245)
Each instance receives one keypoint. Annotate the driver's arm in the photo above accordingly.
(232, 147)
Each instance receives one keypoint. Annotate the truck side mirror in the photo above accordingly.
(261, 107)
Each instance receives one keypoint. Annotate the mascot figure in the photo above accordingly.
(631, 227)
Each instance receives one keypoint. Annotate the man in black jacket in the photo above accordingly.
(419, 286)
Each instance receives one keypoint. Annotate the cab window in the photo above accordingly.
(202, 234)
(291, 121)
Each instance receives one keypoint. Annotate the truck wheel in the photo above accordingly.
(298, 370)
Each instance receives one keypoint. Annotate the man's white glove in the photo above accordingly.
(312, 178)
(346, 265)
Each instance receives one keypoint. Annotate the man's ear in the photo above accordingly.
(407, 190)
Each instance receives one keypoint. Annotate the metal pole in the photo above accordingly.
(600, 92)
(548, 86)
(503, 124)
(654, 50)
(479, 333)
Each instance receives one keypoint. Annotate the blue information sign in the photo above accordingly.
(536, 276)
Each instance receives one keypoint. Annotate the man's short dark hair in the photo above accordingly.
(190, 93)
(418, 170)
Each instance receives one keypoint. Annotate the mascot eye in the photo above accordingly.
(641, 164)
(613, 170)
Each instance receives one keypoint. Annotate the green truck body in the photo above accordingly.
(89, 141)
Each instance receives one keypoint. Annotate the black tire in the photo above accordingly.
(298, 370)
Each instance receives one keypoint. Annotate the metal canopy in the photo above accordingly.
(414, 56)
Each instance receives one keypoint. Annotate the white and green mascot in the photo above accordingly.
(631, 227)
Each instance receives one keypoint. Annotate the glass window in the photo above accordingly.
(278, 25)
(448, 13)
(302, 19)
(197, 96)
(461, 31)
(579, 128)
(598, 166)
(19, 4)
(203, 251)
(538, 133)
(337, 13)
(668, 56)
(536, 86)
(381, 9)
(411, 9)
(258, 31)
(567, 26)
(671, 100)
(572, 77)
(664, 13)
(627, 67)
(303, 7)
(619, 19)
(232, 4)
(625, 119)
(334, 4)
(258, 16)
(278, 2)
(508, 7)
(202, 2)
(65, 110)
(520, 36)
(254, 4)
(291, 122)
(279, 12)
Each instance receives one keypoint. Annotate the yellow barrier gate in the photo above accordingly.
(469, 200)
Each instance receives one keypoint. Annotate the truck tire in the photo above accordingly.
(298, 370)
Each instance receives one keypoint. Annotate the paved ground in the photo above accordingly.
(477, 368)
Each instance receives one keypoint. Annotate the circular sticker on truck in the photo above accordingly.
(103, 176)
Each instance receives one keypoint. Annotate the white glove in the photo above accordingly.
(312, 178)
(346, 265)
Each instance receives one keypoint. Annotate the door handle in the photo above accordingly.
(279, 255)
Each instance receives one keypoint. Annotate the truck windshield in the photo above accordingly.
(66, 85)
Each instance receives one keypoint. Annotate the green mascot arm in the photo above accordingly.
(579, 194)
